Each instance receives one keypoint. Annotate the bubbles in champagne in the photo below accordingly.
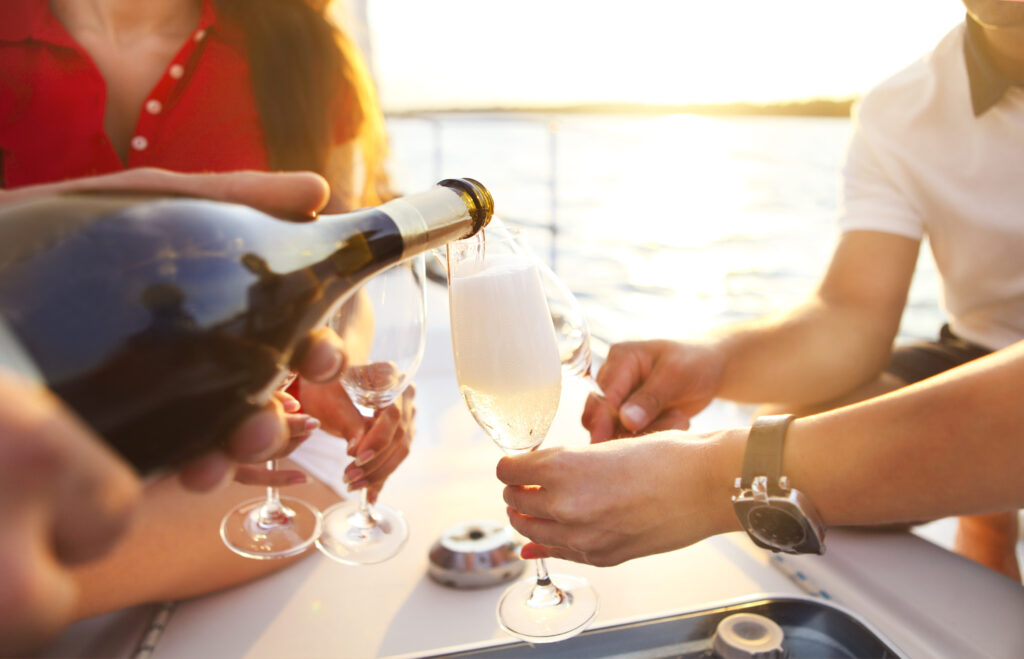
(506, 355)
(517, 422)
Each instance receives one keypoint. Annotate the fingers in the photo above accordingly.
(208, 472)
(50, 461)
(529, 468)
(300, 194)
(623, 370)
(601, 419)
(550, 539)
(261, 436)
(282, 193)
(384, 447)
(380, 451)
(329, 403)
(672, 419)
(528, 500)
(322, 357)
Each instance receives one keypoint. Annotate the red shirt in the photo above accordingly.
(200, 116)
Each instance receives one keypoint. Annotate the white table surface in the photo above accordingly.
(925, 600)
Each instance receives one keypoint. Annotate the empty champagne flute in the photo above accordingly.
(272, 526)
(509, 373)
(384, 332)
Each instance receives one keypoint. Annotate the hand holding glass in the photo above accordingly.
(384, 331)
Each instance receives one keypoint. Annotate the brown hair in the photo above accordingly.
(304, 71)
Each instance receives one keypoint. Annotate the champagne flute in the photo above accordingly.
(510, 374)
(272, 526)
(385, 333)
(571, 330)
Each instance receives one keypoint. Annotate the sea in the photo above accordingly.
(664, 226)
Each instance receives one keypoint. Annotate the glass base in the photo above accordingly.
(353, 538)
(545, 614)
(255, 530)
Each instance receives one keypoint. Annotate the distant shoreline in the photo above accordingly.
(802, 108)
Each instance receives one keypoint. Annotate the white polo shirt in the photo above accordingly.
(921, 163)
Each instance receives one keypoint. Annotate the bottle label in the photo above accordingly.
(428, 219)
(14, 358)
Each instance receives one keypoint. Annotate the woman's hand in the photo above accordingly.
(300, 428)
(384, 445)
(378, 445)
(607, 503)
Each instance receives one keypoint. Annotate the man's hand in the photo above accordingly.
(607, 503)
(650, 386)
(300, 194)
(268, 433)
(67, 498)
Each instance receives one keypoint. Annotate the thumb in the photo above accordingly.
(649, 400)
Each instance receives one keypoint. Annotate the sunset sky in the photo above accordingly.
(485, 53)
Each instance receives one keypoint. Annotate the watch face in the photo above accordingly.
(777, 527)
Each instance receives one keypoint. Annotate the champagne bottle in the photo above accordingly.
(163, 322)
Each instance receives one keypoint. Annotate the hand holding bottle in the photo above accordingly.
(652, 385)
(187, 313)
(67, 497)
(301, 194)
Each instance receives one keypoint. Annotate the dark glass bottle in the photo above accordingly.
(163, 322)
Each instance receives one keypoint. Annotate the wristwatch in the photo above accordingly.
(775, 515)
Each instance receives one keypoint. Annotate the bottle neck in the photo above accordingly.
(430, 219)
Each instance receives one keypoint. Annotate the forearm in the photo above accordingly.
(949, 445)
(174, 550)
(812, 353)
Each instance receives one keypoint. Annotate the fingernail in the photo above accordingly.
(312, 424)
(634, 414)
(291, 406)
(360, 485)
(527, 552)
(298, 479)
(353, 475)
(364, 457)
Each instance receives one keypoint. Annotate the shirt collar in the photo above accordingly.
(26, 20)
(987, 83)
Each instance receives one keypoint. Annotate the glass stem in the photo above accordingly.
(272, 512)
(364, 502)
(591, 381)
(544, 593)
(363, 518)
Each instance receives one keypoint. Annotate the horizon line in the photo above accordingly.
(821, 107)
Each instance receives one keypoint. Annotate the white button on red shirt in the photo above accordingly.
(154, 106)
(139, 143)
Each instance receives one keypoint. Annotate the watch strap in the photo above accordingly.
(763, 456)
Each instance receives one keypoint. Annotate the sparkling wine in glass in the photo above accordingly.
(572, 332)
(272, 526)
(509, 373)
(384, 328)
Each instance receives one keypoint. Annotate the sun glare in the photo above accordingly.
(467, 53)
